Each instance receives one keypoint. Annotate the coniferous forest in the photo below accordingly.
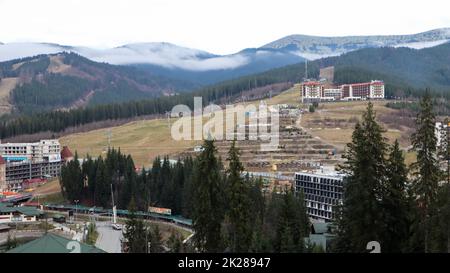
(230, 212)
(405, 210)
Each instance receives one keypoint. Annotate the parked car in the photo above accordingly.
(116, 226)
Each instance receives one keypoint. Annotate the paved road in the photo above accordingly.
(108, 238)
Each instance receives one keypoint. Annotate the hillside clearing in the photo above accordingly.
(334, 122)
(143, 140)
(290, 96)
(57, 65)
(48, 188)
(6, 86)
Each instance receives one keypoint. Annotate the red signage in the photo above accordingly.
(160, 210)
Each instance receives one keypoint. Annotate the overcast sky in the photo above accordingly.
(217, 26)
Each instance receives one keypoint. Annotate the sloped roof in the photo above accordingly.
(66, 153)
(52, 243)
(28, 211)
(2, 160)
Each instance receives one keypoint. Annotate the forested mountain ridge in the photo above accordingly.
(405, 71)
(429, 67)
(66, 80)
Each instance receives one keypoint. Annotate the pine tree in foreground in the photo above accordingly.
(175, 243)
(135, 232)
(292, 224)
(72, 182)
(208, 200)
(394, 203)
(426, 169)
(155, 237)
(360, 218)
(239, 212)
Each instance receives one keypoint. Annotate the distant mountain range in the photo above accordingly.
(201, 68)
(37, 76)
(165, 59)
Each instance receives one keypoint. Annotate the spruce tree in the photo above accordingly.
(89, 169)
(208, 200)
(440, 222)
(259, 242)
(359, 218)
(395, 203)
(102, 184)
(135, 231)
(292, 224)
(175, 243)
(72, 182)
(239, 212)
(426, 169)
(155, 239)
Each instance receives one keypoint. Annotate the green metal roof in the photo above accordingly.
(52, 243)
(28, 211)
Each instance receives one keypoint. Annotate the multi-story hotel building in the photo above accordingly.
(322, 190)
(311, 91)
(316, 91)
(44, 150)
(367, 90)
(331, 94)
(20, 161)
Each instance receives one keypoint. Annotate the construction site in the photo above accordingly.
(297, 150)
